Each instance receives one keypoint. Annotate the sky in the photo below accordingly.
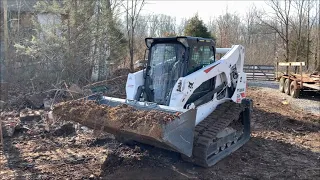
(205, 9)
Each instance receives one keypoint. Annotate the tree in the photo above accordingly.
(317, 49)
(181, 26)
(169, 34)
(281, 24)
(159, 25)
(131, 22)
(229, 29)
(77, 45)
(196, 27)
(212, 27)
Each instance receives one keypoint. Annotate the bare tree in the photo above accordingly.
(181, 26)
(212, 27)
(131, 22)
(299, 6)
(250, 20)
(317, 51)
(280, 23)
(6, 35)
(229, 29)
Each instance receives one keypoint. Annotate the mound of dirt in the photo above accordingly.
(107, 118)
(122, 156)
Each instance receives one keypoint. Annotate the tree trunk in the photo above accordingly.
(287, 42)
(299, 32)
(287, 32)
(317, 58)
(308, 38)
(6, 38)
(299, 35)
(132, 28)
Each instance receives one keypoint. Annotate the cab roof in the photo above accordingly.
(191, 40)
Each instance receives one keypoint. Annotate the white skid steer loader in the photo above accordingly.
(183, 75)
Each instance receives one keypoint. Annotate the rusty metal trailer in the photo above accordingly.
(293, 83)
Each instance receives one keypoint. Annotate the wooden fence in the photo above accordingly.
(260, 72)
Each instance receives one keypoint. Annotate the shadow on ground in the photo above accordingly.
(261, 158)
(22, 168)
(310, 95)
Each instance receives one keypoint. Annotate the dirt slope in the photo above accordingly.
(285, 144)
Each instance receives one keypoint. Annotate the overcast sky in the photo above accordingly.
(205, 9)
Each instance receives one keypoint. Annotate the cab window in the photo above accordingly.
(200, 57)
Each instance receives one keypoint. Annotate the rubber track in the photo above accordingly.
(206, 130)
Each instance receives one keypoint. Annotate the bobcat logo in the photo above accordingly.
(179, 86)
(190, 85)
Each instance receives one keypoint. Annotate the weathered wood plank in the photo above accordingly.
(291, 63)
(312, 86)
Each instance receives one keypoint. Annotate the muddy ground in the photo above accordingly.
(285, 144)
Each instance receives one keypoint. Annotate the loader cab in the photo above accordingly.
(171, 58)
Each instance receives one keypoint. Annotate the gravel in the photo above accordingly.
(267, 84)
(309, 101)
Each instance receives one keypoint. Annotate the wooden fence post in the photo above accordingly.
(253, 72)
(1, 134)
(276, 73)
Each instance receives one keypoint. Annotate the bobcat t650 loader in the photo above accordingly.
(184, 76)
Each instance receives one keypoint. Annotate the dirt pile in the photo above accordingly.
(42, 155)
(107, 118)
(122, 156)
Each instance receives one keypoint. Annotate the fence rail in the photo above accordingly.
(260, 72)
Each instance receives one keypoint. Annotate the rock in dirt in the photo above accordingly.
(47, 102)
(30, 115)
(92, 177)
(64, 130)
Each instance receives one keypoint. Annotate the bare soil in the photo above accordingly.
(121, 117)
(285, 144)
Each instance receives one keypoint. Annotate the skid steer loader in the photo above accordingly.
(183, 75)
